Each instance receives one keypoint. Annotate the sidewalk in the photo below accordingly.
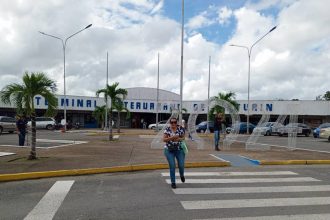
(129, 150)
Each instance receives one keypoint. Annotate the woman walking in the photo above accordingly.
(173, 135)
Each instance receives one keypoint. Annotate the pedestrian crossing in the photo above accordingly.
(50, 203)
(251, 194)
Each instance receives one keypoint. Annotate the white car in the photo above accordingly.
(44, 123)
(268, 128)
(325, 133)
(161, 125)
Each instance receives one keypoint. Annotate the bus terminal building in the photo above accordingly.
(142, 104)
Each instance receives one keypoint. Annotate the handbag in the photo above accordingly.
(184, 147)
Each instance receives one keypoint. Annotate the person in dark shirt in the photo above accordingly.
(219, 126)
(21, 129)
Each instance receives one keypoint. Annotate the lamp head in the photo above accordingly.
(88, 26)
(273, 28)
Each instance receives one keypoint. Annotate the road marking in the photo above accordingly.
(295, 148)
(275, 189)
(147, 136)
(212, 155)
(254, 203)
(61, 141)
(5, 154)
(52, 200)
(8, 145)
(254, 180)
(234, 173)
(279, 217)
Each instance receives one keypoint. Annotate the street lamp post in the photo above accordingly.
(181, 71)
(64, 47)
(249, 50)
(208, 99)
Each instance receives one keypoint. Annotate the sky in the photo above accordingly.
(291, 62)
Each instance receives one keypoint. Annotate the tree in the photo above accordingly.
(229, 97)
(22, 96)
(120, 107)
(99, 114)
(326, 96)
(116, 95)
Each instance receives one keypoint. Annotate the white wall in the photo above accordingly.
(144, 100)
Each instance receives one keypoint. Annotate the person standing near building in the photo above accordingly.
(21, 129)
(173, 135)
(219, 127)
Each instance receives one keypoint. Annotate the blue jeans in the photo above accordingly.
(216, 138)
(170, 156)
(21, 137)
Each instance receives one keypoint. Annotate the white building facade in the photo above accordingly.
(142, 103)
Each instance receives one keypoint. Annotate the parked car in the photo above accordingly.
(300, 128)
(44, 123)
(325, 133)
(268, 128)
(161, 125)
(241, 128)
(316, 131)
(7, 124)
(202, 127)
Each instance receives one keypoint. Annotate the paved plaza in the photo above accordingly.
(83, 149)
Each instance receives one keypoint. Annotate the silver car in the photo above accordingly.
(161, 125)
(268, 128)
(7, 124)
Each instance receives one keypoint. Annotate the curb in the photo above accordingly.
(77, 172)
(293, 162)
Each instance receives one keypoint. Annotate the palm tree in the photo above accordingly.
(229, 97)
(22, 95)
(99, 114)
(116, 95)
(120, 107)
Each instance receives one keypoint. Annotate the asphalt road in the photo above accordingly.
(301, 191)
(75, 135)
(309, 143)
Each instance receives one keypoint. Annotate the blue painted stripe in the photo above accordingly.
(257, 162)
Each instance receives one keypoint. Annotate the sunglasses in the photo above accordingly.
(173, 122)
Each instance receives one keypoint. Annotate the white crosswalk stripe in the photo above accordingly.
(254, 180)
(279, 217)
(253, 203)
(273, 173)
(52, 200)
(300, 191)
(260, 189)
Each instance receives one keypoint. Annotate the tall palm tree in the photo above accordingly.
(116, 95)
(120, 107)
(22, 96)
(99, 113)
(227, 96)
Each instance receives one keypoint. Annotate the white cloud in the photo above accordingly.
(224, 14)
(199, 21)
(265, 4)
(291, 62)
(158, 7)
